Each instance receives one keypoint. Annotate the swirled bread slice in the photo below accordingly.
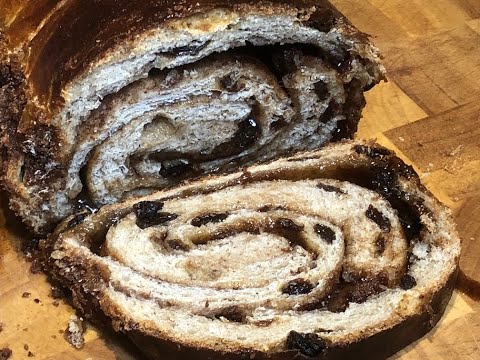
(334, 254)
(108, 99)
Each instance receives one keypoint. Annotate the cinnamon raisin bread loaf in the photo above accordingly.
(107, 99)
(334, 254)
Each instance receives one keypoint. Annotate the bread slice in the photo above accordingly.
(334, 254)
(116, 98)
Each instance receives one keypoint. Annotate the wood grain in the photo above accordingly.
(429, 112)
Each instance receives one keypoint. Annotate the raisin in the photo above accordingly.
(321, 90)
(174, 168)
(208, 218)
(307, 344)
(291, 231)
(246, 135)
(189, 50)
(248, 132)
(325, 233)
(330, 188)
(148, 214)
(288, 224)
(5, 353)
(147, 209)
(407, 282)
(378, 218)
(297, 287)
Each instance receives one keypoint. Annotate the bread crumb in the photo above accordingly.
(74, 332)
(5, 353)
(26, 294)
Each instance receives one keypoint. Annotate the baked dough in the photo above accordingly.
(334, 254)
(102, 100)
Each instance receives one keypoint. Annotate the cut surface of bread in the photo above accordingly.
(332, 254)
(105, 100)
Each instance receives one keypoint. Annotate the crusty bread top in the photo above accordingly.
(66, 38)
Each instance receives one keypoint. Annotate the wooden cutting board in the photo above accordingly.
(429, 112)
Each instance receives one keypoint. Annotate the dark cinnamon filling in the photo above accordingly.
(280, 60)
(232, 313)
(175, 164)
(380, 244)
(230, 83)
(291, 231)
(175, 244)
(283, 227)
(344, 293)
(381, 175)
(267, 208)
(378, 218)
